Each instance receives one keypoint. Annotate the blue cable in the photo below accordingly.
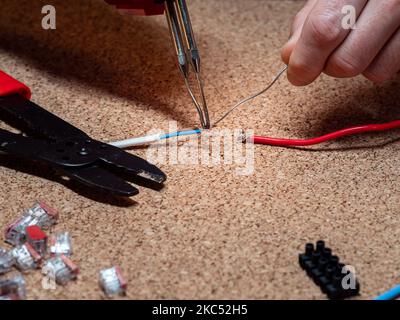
(180, 134)
(390, 295)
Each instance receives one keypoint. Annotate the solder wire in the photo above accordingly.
(240, 103)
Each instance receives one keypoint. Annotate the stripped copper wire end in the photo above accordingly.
(243, 137)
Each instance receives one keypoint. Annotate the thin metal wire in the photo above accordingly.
(237, 105)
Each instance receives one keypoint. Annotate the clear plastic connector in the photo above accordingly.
(37, 239)
(40, 215)
(60, 244)
(61, 269)
(112, 281)
(26, 257)
(7, 261)
(13, 288)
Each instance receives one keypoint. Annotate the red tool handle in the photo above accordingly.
(139, 7)
(9, 86)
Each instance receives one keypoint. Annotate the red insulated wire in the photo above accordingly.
(330, 136)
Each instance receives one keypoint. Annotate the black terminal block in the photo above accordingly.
(327, 272)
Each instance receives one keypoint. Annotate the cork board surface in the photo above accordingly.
(210, 233)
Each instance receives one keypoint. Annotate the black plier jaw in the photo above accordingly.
(51, 140)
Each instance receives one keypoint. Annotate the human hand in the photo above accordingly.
(320, 43)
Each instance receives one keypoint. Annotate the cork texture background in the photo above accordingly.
(210, 233)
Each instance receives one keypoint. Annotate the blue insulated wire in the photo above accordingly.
(390, 295)
(180, 134)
